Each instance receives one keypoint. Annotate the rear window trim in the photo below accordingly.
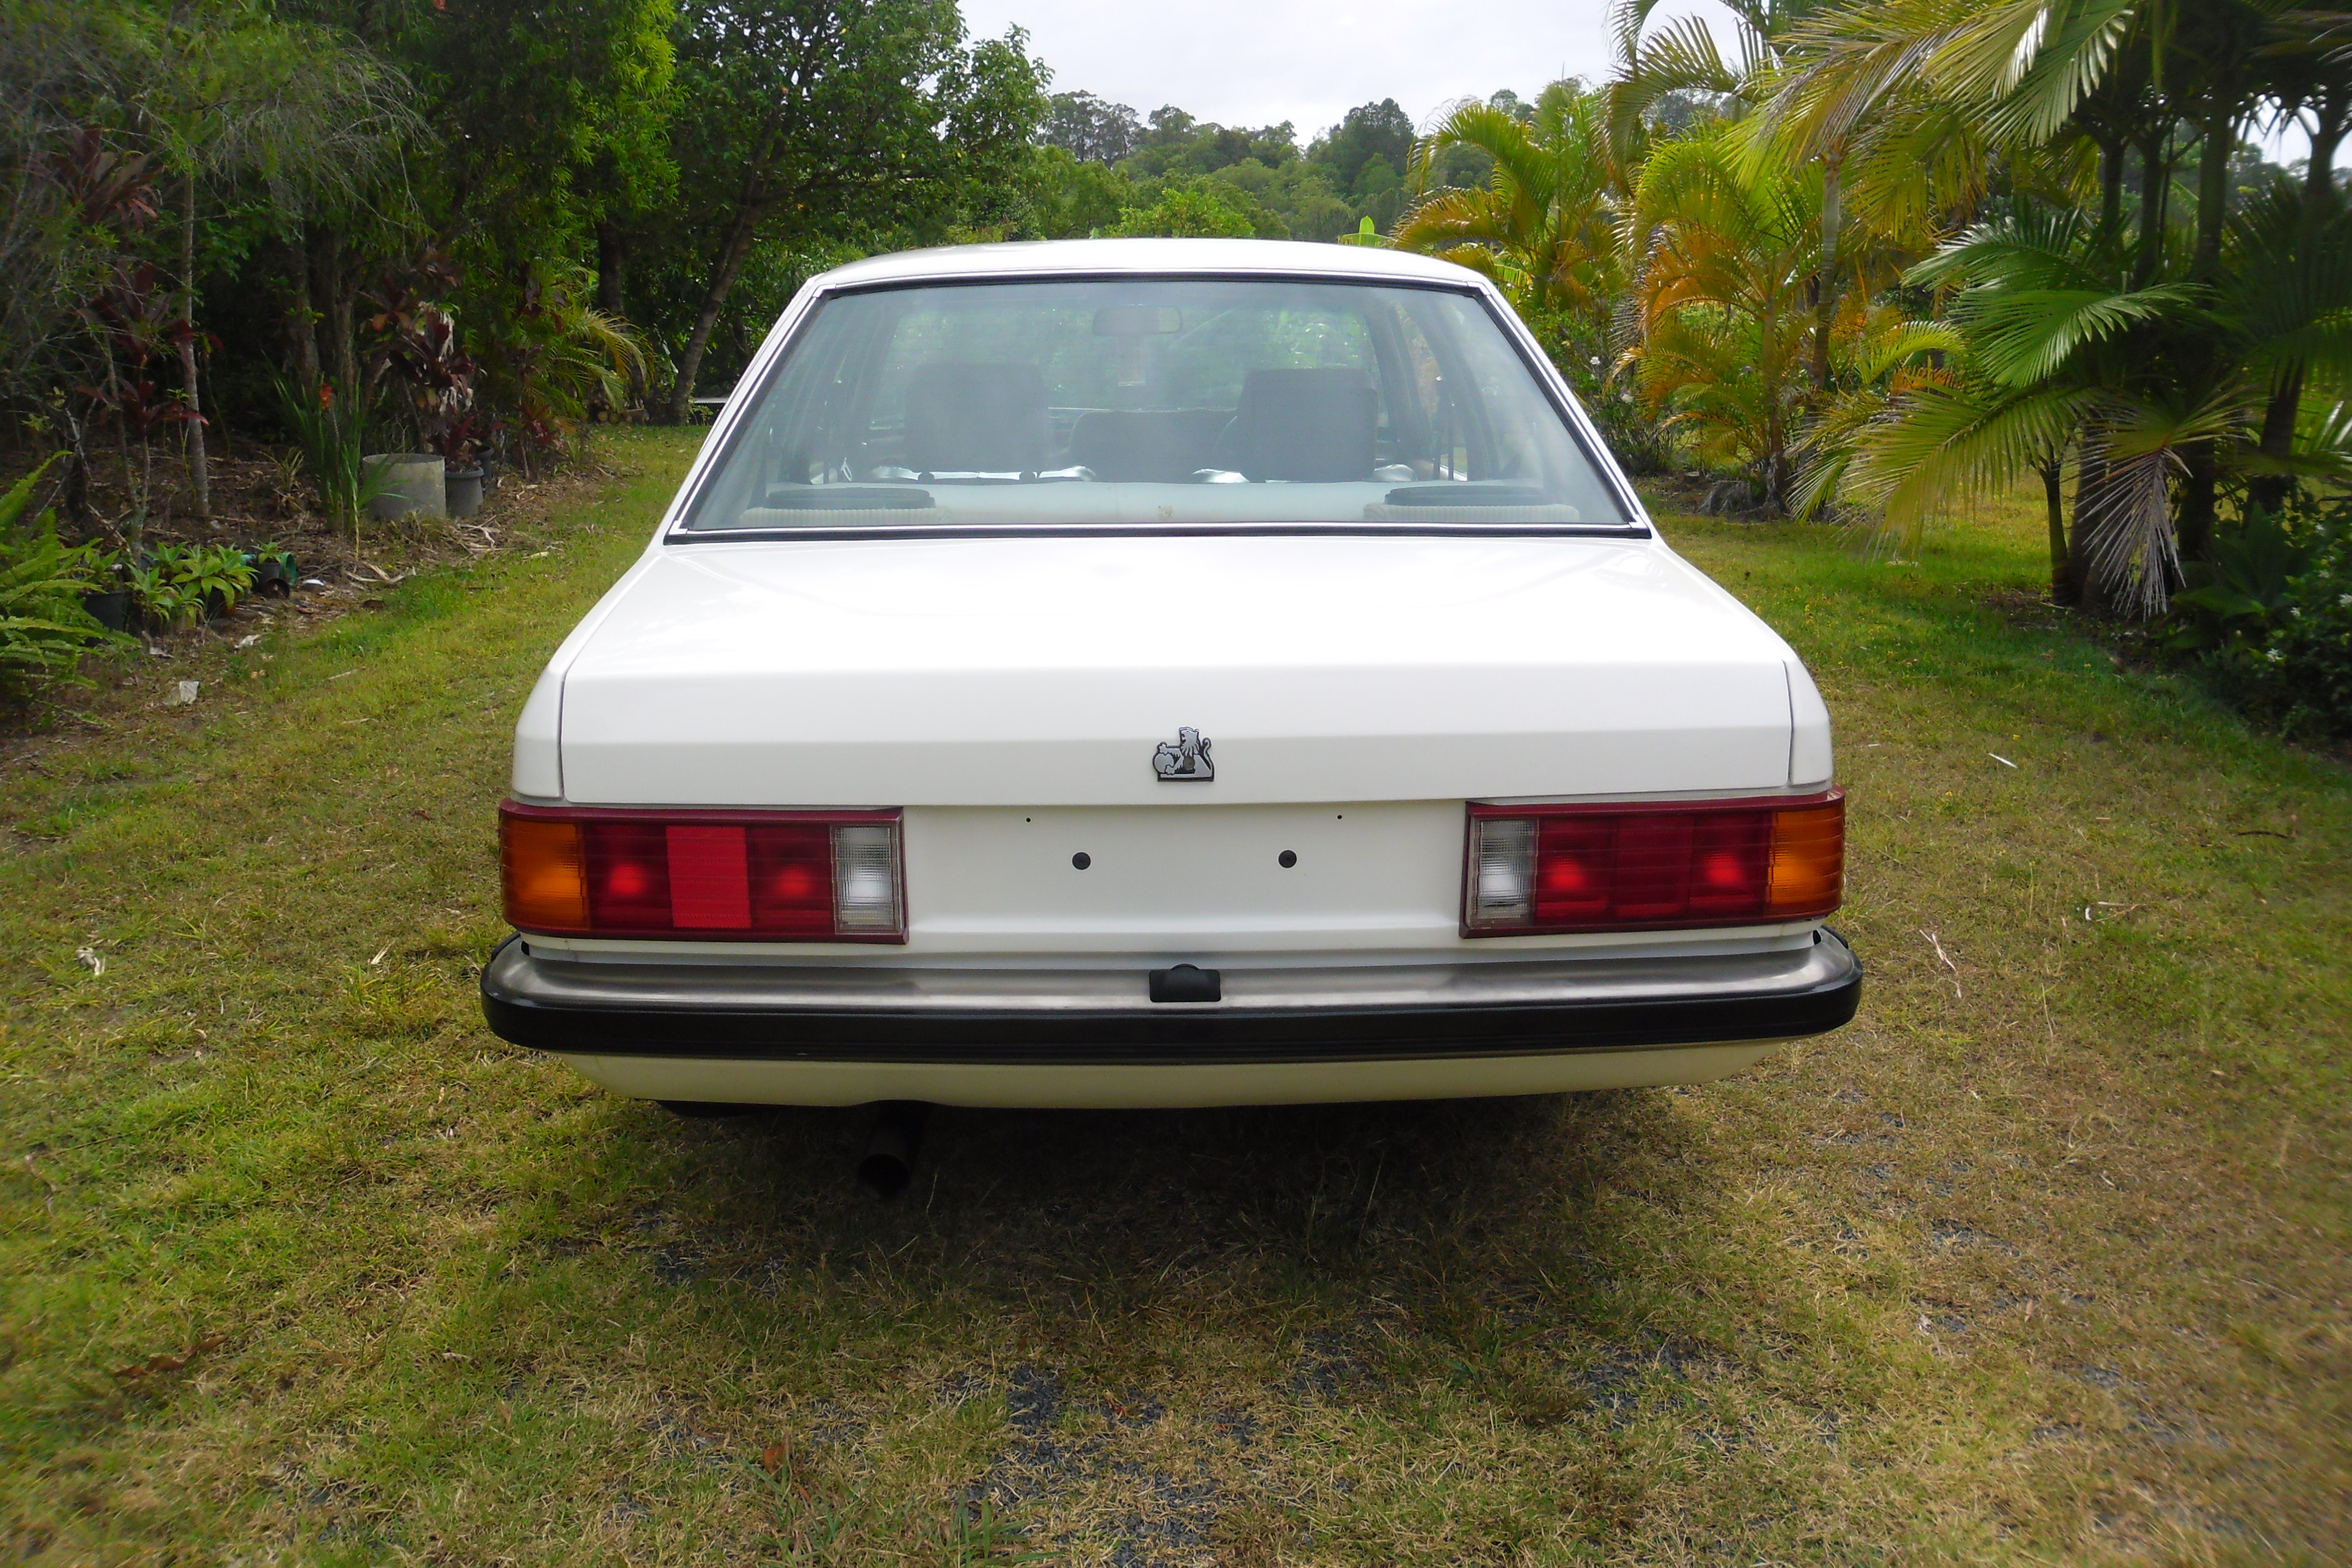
(1545, 375)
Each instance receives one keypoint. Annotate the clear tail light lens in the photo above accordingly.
(749, 876)
(1634, 867)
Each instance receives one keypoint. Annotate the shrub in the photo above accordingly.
(180, 582)
(331, 439)
(2273, 617)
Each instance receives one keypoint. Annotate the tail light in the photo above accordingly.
(1640, 868)
(771, 876)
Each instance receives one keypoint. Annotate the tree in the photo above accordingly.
(1090, 129)
(2178, 344)
(1370, 130)
(1198, 210)
(1179, 145)
(1724, 254)
(1544, 224)
(1069, 198)
(233, 96)
(805, 120)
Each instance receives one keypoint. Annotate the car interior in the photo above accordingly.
(929, 399)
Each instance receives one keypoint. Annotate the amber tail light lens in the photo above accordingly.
(735, 876)
(1686, 863)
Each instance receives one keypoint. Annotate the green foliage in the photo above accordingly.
(2272, 617)
(1089, 130)
(184, 583)
(332, 435)
(1370, 134)
(812, 121)
(1355, 171)
(1068, 197)
(2128, 286)
(1721, 303)
(1199, 210)
(549, 117)
(2242, 591)
(43, 630)
(1543, 224)
(557, 359)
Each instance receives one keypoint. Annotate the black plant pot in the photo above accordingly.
(273, 578)
(216, 605)
(112, 611)
(461, 490)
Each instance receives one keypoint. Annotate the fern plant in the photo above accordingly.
(43, 630)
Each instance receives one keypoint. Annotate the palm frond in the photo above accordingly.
(2050, 70)
(2024, 335)
(2126, 521)
(1937, 446)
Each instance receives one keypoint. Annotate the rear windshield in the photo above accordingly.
(1151, 402)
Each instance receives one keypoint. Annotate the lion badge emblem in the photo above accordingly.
(1184, 759)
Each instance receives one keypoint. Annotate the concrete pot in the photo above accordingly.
(410, 481)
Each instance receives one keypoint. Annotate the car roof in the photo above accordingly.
(1208, 257)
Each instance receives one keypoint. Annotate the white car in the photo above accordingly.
(1163, 673)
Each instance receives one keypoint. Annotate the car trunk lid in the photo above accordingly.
(1049, 671)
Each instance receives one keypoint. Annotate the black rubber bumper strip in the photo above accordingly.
(1125, 1035)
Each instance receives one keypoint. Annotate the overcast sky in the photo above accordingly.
(1256, 62)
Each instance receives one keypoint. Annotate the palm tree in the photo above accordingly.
(2075, 90)
(1725, 254)
(1683, 58)
(2061, 345)
(1544, 225)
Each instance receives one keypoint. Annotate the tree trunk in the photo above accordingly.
(2091, 593)
(2200, 484)
(1827, 305)
(2061, 561)
(200, 488)
(2111, 183)
(2201, 488)
(76, 496)
(612, 269)
(611, 293)
(2220, 139)
(2155, 183)
(2269, 492)
(731, 266)
(302, 321)
(2319, 176)
(332, 294)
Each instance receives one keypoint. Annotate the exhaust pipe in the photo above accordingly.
(897, 1137)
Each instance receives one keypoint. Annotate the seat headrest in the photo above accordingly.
(1312, 425)
(984, 418)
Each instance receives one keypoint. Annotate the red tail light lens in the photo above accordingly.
(1620, 867)
(748, 876)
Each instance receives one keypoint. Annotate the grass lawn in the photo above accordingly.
(2045, 1258)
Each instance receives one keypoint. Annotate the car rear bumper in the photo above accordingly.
(897, 1027)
